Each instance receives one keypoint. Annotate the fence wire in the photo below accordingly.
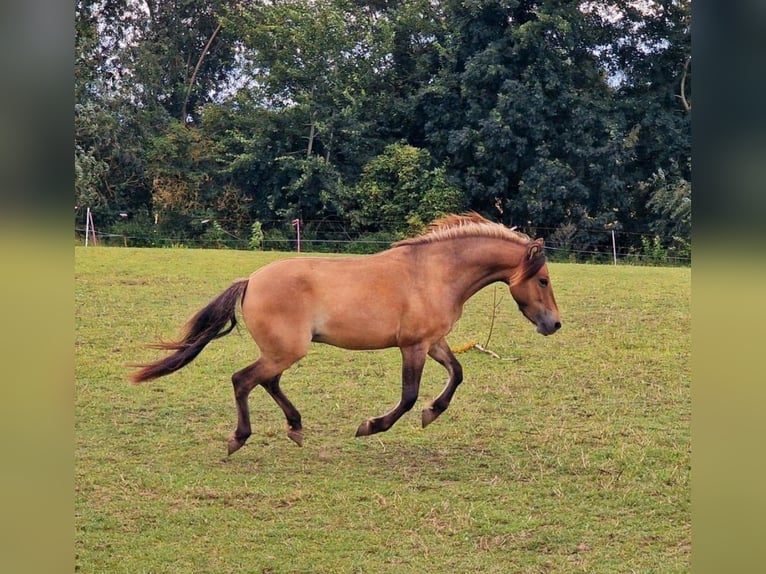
(350, 244)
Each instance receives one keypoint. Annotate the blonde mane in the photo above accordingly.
(466, 225)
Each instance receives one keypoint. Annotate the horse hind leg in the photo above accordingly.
(245, 381)
(266, 374)
(442, 354)
(294, 426)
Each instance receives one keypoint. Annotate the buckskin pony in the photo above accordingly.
(408, 296)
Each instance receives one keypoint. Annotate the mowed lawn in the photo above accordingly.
(569, 453)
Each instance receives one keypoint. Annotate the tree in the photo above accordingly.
(400, 190)
(568, 119)
(671, 203)
(521, 115)
(311, 57)
(189, 190)
(137, 66)
(648, 56)
(179, 54)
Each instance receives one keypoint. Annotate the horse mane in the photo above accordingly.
(471, 224)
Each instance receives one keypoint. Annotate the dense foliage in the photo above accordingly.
(198, 122)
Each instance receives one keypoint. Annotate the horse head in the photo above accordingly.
(531, 289)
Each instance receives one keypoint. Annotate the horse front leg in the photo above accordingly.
(442, 354)
(413, 361)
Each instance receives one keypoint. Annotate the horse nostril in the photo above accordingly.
(557, 325)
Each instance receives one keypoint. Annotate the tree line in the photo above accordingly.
(220, 122)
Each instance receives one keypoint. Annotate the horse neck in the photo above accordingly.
(471, 263)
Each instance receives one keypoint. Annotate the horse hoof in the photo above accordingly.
(364, 429)
(235, 444)
(296, 436)
(428, 416)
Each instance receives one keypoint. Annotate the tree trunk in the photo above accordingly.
(205, 50)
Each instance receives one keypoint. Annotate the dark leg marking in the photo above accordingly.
(413, 361)
(442, 354)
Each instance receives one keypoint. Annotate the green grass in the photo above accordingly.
(570, 453)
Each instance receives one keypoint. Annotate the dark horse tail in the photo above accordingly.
(215, 320)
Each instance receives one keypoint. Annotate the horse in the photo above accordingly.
(408, 296)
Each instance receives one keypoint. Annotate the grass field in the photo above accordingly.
(569, 453)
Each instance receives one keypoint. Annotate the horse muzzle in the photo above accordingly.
(548, 326)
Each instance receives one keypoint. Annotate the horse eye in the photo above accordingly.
(543, 282)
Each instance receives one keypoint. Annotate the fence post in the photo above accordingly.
(87, 225)
(297, 225)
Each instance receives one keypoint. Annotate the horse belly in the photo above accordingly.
(355, 328)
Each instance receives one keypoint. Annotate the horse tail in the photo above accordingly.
(215, 320)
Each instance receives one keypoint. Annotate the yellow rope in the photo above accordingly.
(463, 348)
(473, 345)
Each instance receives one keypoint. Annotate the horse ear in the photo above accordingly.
(536, 249)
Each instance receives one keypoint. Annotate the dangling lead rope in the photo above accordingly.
(475, 344)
